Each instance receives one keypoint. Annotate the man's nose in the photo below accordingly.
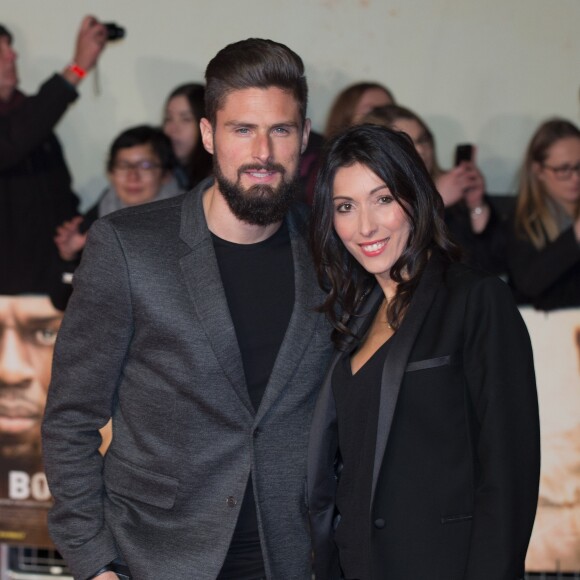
(263, 148)
(15, 368)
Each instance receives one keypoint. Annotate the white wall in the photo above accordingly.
(485, 71)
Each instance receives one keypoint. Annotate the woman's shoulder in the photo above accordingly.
(462, 278)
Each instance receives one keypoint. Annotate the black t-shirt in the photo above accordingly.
(258, 280)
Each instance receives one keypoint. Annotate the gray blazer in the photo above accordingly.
(148, 340)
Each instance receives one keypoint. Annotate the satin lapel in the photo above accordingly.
(397, 356)
(202, 278)
(304, 318)
(323, 436)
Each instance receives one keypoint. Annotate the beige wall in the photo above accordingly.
(482, 71)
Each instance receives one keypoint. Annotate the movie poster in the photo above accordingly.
(555, 543)
(28, 329)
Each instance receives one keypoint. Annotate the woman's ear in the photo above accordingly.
(538, 171)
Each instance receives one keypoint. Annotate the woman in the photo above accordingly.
(184, 108)
(469, 215)
(139, 169)
(428, 417)
(353, 103)
(544, 252)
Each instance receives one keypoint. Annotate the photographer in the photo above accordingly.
(35, 184)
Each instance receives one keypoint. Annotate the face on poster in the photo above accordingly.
(555, 542)
(28, 329)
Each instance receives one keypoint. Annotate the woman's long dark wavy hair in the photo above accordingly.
(391, 156)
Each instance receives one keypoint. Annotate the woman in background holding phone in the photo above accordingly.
(544, 251)
(472, 220)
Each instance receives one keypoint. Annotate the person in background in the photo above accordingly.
(184, 109)
(544, 247)
(353, 103)
(35, 184)
(348, 108)
(470, 216)
(424, 453)
(139, 168)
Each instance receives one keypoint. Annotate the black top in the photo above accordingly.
(485, 250)
(357, 406)
(258, 280)
(549, 278)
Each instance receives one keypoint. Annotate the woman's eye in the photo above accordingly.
(385, 199)
(343, 207)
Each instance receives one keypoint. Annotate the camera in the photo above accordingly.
(114, 32)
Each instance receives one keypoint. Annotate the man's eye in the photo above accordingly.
(242, 130)
(45, 336)
(281, 131)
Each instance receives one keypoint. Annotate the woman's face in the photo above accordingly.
(137, 175)
(562, 155)
(370, 223)
(369, 100)
(181, 126)
(420, 139)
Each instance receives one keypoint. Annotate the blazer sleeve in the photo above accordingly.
(88, 363)
(500, 377)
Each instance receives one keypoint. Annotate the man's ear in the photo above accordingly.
(206, 131)
(305, 134)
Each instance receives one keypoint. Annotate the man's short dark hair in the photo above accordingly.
(144, 135)
(254, 63)
(5, 32)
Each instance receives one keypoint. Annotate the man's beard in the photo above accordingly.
(260, 205)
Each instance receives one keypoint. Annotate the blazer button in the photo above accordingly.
(231, 501)
(379, 523)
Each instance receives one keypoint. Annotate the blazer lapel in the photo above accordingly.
(203, 281)
(397, 356)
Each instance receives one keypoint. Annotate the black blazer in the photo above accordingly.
(457, 458)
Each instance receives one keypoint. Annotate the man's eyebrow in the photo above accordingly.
(239, 124)
(38, 320)
(235, 123)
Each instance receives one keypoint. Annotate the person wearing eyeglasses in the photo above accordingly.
(139, 168)
(544, 250)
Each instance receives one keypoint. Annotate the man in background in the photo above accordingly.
(35, 185)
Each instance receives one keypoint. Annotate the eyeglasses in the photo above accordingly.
(141, 167)
(564, 172)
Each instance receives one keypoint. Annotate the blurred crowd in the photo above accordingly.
(532, 241)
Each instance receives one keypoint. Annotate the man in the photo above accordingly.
(28, 327)
(35, 185)
(193, 324)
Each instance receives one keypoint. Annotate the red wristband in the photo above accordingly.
(77, 70)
